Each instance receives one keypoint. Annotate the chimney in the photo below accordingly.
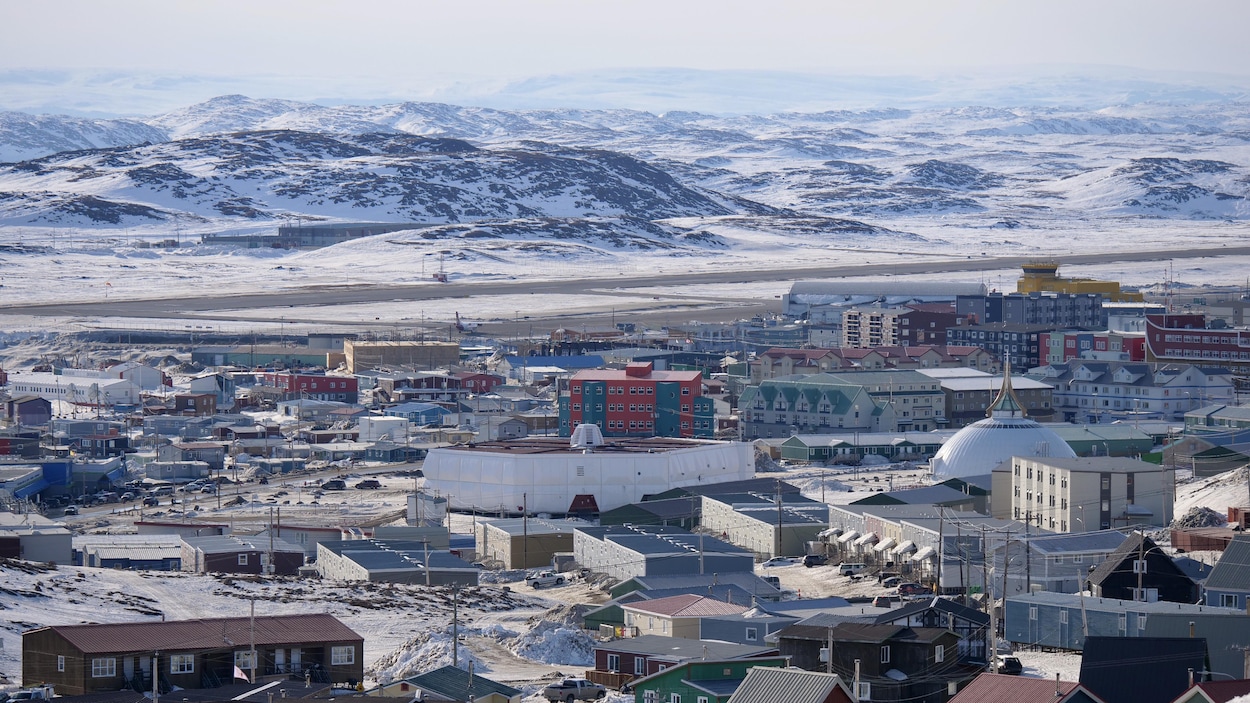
(1191, 677)
(1058, 690)
(1191, 629)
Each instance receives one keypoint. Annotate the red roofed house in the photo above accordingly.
(80, 659)
(676, 616)
(1001, 688)
(1215, 691)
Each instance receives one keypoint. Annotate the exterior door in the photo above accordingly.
(279, 660)
(296, 659)
(128, 667)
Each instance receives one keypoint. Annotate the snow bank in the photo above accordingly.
(425, 652)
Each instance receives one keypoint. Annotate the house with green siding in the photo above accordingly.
(698, 681)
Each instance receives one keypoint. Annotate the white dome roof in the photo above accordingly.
(980, 447)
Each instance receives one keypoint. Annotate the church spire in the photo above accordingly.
(1007, 404)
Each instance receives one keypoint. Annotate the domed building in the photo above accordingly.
(1005, 432)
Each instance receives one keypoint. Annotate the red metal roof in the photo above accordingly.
(686, 606)
(1221, 691)
(1001, 688)
(208, 633)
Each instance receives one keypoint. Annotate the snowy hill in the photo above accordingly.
(378, 177)
(24, 136)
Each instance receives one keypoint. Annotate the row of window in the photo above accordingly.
(106, 667)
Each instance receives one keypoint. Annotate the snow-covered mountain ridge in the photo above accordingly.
(980, 165)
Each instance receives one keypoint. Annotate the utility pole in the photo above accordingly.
(1141, 566)
(777, 553)
(985, 572)
(937, 584)
(525, 530)
(455, 626)
(992, 640)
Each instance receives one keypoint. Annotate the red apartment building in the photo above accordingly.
(634, 401)
(1186, 338)
(294, 386)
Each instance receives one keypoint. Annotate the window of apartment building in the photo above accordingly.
(752, 634)
(614, 663)
(685, 391)
(342, 656)
(103, 667)
(640, 666)
(1063, 617)
(885, 654)
(1033, 612)
(1228, 600)
(1121, 622)
(242, 560)
(939, 653)
(577, 406)
(182, 664)
(60, 662)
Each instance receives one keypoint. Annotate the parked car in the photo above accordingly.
(151, 501)
(71, 510)
(334, 484)
(882, 602)
(780, 561)
(892, 581)
(1009, 665)
(574, 690)
(544, 578)
(815, 560)
(912, 589)
(208, 488)
(851, 569)
(369, 483)
(128, 496)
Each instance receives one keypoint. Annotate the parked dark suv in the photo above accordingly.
(369, 483)
(815, 560)
(334, 484)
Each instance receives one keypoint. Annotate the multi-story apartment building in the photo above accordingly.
(869, 326)
(1066, 345)
(1055, 309)
(892, 400)
(294, 386)
(636, 401)
(779, 362)
(1102, 391)
(810, 404)
(970, 393)
(1187, 339)
(1083, 494)
(1019, 344)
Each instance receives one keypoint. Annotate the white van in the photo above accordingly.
(845, 569)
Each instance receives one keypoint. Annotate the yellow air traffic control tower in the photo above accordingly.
(1043, 277)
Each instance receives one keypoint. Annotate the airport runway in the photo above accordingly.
(214, 305)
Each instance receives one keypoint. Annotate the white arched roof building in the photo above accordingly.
(980, 447)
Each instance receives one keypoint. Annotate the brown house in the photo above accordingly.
(195, 404)
(80, 659)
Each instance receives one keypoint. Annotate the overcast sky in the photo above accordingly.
(419, 45)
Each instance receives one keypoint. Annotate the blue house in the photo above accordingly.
(1228, 586)
(419, 413)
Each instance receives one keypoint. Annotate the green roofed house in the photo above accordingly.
(699, 681)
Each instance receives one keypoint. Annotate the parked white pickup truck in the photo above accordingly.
(570, 690)
(544, 578)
